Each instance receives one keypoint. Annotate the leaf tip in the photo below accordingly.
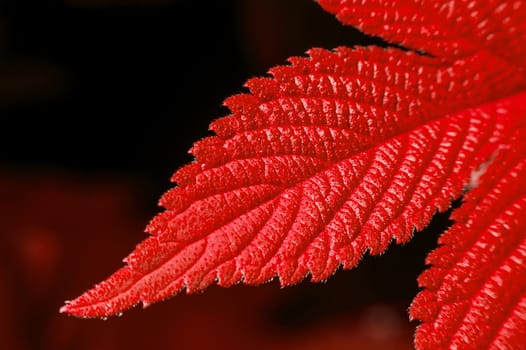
(70, 308)
(64, 309)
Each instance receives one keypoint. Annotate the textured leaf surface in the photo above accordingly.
(445, 29)
(339, 153)
(475, 296)
(343, 151)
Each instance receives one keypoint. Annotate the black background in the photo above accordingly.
(132, 87)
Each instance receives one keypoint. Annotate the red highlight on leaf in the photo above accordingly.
(341, 152)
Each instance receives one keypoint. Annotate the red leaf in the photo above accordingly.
(475, 296)
(341, 152)
(330, 158)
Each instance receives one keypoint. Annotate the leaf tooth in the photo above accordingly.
(283, 73)
(442, 256)
(316, 258)
(160, 224)
(424, 307)
(431, 279)
(351, 254)
(286, 269)
(264, 89)
(175, 199)
(301, 273)
(331, 265)
(226, 127)
(319, 54)
(242, 104)
(186, 174)
(197, 281)
(229, 274)
(210, 151)
(303, 65)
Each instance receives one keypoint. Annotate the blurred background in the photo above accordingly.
(99, 102)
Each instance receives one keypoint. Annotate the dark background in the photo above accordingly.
(99, 102)
(130, 86)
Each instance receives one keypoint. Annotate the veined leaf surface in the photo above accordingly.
(341, 152)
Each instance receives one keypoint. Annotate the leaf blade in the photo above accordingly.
(299, 186)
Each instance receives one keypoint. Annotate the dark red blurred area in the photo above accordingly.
(64, 231)
(100, 101)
